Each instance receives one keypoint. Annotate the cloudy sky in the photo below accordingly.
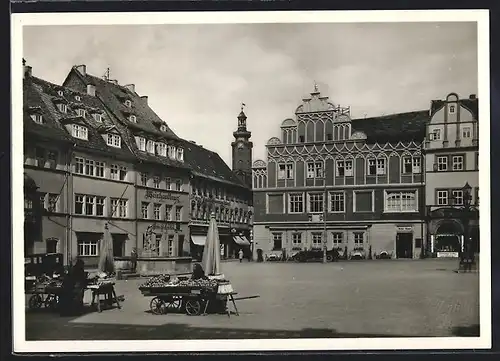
(196, 76)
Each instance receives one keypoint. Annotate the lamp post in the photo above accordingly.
(325, 235)
(467, 206)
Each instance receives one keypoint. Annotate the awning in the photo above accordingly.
(199, 240)
(241, 240)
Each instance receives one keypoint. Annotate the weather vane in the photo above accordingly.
(315, 86)
(243, 105)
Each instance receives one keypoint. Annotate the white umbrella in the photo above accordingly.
(211, 251)
(106, 260)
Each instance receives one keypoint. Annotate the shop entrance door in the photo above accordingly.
(404, 245)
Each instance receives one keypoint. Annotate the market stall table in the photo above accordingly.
(106, 289)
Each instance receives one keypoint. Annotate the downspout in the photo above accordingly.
(69, 203)
(423, 207)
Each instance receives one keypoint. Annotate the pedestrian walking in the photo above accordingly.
(133, 259)
(240, 255)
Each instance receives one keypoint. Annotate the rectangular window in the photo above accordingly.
(180, 155)
(296, 239)
(97, 117)
(156, 182)
(81, 112)
(435, 134)
(79, 204)
(170, 241)
(99, 169)
(316, 202)
(401, 201)
(89, 167)
(338, 238)
(63, 108)
(144, 179)
(89, 205)
(88, 248)
(114, 140)
(317, 240)
(53, 202)
(114, 172)
(289, 171)
(156, 211)
(178, 185)
(79, 165)
(168, 212)
(381, 166)
(281, 171)
(442, 164)
(123, 173)
(168, 183)
(340, 169)
(407, 165)
(458, 162)
(458, 197)
(277, 241)
(349, 168)
(337, 202)
(296, 203)
(145, 210)
(442, 198)
(150, 147)
(275, 203)
(99, 206)
(52, 158)
(310, 170)
(141, 143)
(359, 238)
(372, 166)
(178, 213)
(318, 169)
(161, 148)
(37, 118)
(119, 208)
(417, 165)
(79, 131)
(466, 132)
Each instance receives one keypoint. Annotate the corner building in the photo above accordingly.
(367, 172)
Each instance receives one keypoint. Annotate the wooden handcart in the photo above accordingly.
(192, 301)
(44, 296)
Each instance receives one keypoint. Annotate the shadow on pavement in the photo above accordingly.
(93, 331)
(466, 331)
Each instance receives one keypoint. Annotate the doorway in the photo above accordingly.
(180, 245)
(404, 245)
(119, 244)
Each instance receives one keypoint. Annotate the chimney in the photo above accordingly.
(27, 71)
(130, 87)
(472, 97)
(144, 99)
(82, 69)
(91, 90)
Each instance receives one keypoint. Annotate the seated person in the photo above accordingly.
(198, 272)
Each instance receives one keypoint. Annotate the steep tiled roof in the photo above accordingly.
(114, 96)
(394, 128)
(48, 94)
(33, 102)
(208, 164)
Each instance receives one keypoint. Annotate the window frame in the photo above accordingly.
(455, 157)
(331, 196)
(322, 202)
(91, 246)
(79, 131)
(114, 140)
(293, 202)
(335, 239)
(439, 193)
(440, 164)
(402, 206)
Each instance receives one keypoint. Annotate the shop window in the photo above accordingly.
(277, 241)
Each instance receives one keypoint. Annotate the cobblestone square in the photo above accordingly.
(344, 299)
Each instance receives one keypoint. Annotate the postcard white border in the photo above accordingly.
(443, 343)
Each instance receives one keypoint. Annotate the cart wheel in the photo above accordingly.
(35, 302)
(329, 258)
(174, 304)
(193, 307)
(157, 306)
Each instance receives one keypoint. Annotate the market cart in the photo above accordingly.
(44, 293)
(193, 297)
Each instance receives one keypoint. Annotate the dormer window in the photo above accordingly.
(171, 152)
(128, 103)
(163, 128)
(79, 131)
(180, 154)
(81, 112)
(150, 147)
(141, 143)
(97, 117)
(63, 108)
(114, 140)
(60, 93)
(78, 98)
(161, 148)
(37, 118)
(132, 118)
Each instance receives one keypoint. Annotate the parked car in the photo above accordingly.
(315, 255)
(273, 257)
(384, 255)
(357, 254)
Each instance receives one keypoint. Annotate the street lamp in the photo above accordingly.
(467, 198)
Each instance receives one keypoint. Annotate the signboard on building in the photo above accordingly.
(447, 254)
(405, 229)
(162, 196)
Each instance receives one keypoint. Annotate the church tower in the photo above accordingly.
(242, 150)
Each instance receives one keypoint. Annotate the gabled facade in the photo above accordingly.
(452, 160)
(161, 181)
(357, 182)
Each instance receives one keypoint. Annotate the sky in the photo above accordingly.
(197, 76)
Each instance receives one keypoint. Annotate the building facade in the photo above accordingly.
(350, 184)
(451, 151)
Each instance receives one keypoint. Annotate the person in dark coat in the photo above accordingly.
(198, 272)
(133, 259)
(80, 283)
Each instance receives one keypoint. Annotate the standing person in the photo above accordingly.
(133, 259)
(80, 283)
(240, 255)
